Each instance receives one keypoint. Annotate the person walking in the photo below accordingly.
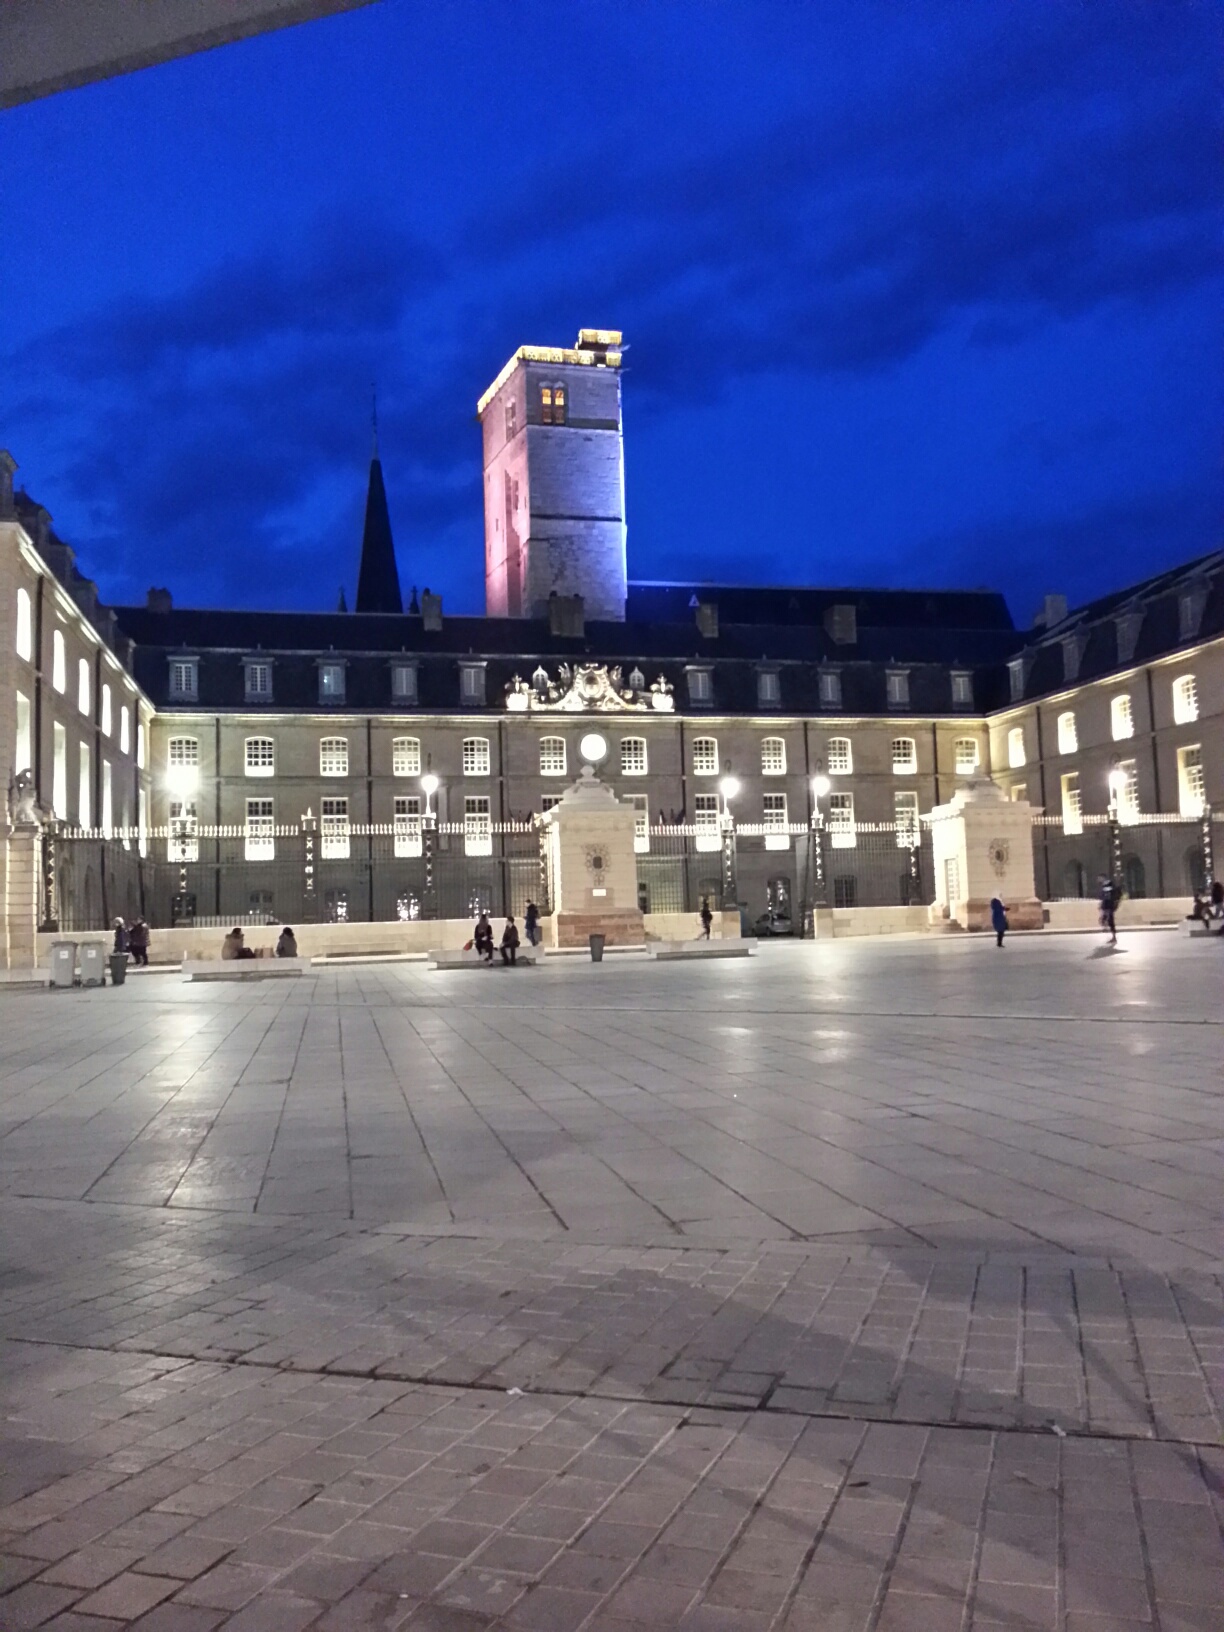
(707, 917)
(1111, 895)
(286, 946)
(122, 940)
(510, 942)
(482, 938)
(138, 943)
(531, 923)
(998, 920)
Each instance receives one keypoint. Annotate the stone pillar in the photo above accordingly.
(20, 895)
(594, 867)
(983, 847)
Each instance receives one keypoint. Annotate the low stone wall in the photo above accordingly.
(686, 926)
(848, 921)
(1131, 914)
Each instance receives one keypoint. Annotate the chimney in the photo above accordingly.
(1053, 610)
(7, 466)
(566, 616)
(707, 619)
(841, 624)
(431, 612)
(160, 601)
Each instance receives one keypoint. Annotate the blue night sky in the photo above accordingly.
(915, 294)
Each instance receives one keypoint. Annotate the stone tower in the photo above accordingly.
(554, 479)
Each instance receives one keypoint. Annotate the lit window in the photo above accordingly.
(184, 680)
(633, 756)
(706, 821)
(773, 806)
(966, 755)
(83, 687)
(962, 690)
(407, 825)
(25, 625)
(1121, 719)
(1128, 792)
(1191, 785)
(700, 685)
(108, 722)
(258, 682)
(476, 756)
(1068, 736)
(404, 682)
(905, 820)
(841, 821)
(406, 756)
(1185, 700)
(331, 682)
(552, 756)
(641, 823)
(125, 729)
(898, 688)
(59, 772)
(511, 419)
(1016, 756)
(840, 756)
(548, 800)
(705, 756)
(334, 830)
(183, 843)
(142, 745)
(260, 756)
(769, 686)
(477, 827)
(773, 756)
(1072, 809)
(904, 756)
(23, 759)
(472, 682)
(84, 804)
(183, 766)
(260, 830)
(108, 799)
(59, 664)
(552, 404)
(333, 756)
(830, 688)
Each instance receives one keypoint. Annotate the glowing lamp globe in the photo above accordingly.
(429, 784)
(821, 786)
(729, 787)
(593, 748)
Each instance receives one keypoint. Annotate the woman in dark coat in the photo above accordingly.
(138, 942)
(998, 920)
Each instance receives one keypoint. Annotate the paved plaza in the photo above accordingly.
(856, 1287)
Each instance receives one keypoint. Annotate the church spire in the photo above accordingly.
(378, 586)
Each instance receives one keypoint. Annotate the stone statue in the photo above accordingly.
(23, 807)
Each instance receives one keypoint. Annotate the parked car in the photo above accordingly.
(773, 923)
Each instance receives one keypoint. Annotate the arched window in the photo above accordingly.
(1121, 718)
(633, 756)
(705, 756)
(25, 625)
(1185, 700)
(840, 756)
(1068, 736)
(183, 766)
(773, 756)
(406, 756)
(552, 756)
(1016, 756)
(333, 756)
(125, 729)
(260, 756)
(59, 664)
(966, 755)
(108, 723)
(476, 756)
(904, 756)
(83, 686)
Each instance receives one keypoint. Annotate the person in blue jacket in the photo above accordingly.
(998, 920)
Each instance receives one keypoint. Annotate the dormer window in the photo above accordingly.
(258, 681)
(898, 688)
(184, 679)
(1190, 605)
(1073, 653)
(472, 683)
(1016, 677)
(404, 682)
(552, 404)
(769, 688)
(331, 682)
(700, 686)
(1127, 627)
(830, 688)
(962, 689)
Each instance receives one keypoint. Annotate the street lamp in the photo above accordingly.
(429, 786)
(594, 748)
(429, 826)
(1117, 786)
(816, 843)
(728, 787)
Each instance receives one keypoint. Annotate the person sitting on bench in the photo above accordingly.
(509, 942)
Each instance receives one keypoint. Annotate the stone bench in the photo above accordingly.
(244, 968)
(667, 950)
(445, 959)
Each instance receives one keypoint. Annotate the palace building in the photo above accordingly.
(206, 763)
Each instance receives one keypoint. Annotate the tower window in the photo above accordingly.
(552, 404)
(511, 419)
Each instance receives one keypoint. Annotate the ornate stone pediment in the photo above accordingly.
(587, 688)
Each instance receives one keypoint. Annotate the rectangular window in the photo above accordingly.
(333, 756)
(962, 690)
(1068, 736)
(633, 756)
(331, 682)
(334, 830)
(641, 823)
(142, 822)
(769, 687)
(845, 891)
(904, 756)
(260, 830)
(23, 758)
(1128, 792)
(472, 682)
(25, 625)
(183, 843)
(966, 755)
(552, 756)
(108, 722)
(552, 404)
(773, 815)
(700, 685)
(59, 772)
(705, 756)
(404, 682)
(511, 419)
(83, 687)
(706, 821)
(476, 756)
(773, 756)
(1072, 809)
(84, 802)
(406, 756)
(1185, 700)
(477, 827)
(260, 756)
(258, 682)
(1191, 785)
(183, 766)
(59, 663)
(841, 821)
(830, 688)
(1015, 679)
(548, 800)
(840, 756)
(1016, 756)
(407, 825)
(108, 799)
(125, 729)
(142, 745)
(1121, 719)
(905, 819)
(898, 688)
(184, 680)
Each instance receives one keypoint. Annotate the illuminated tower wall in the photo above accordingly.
(554, 486)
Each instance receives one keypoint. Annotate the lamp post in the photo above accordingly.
(816, 840)
(1117, 784)
(729, 787)
(429, 834)
(310, 897)
(1208, 847)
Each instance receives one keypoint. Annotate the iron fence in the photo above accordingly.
(1152, 855)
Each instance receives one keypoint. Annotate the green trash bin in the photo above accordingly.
(597, 946)
(118, 967)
